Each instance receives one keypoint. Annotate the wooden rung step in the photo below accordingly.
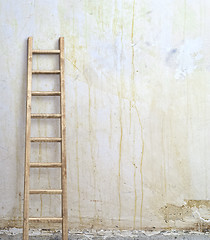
(46, 72)
(45, 219)
(36, 51)
(45, 139)
(45, 93)
(46, 191)
(45, 165)
(45, 115)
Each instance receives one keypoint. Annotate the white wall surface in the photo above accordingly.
(137, 78)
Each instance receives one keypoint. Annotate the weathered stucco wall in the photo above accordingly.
(137, 106)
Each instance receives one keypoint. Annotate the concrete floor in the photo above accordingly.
(105, 235)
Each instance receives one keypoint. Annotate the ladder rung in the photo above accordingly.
(46, 72)
(45, 93)
(45, 115)
(45, 219)
(45, 191)
(46, 165)
(45, 139)
(46, 51)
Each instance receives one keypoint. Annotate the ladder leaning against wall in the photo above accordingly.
(62, 164)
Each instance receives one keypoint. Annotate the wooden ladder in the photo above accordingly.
(61, 139)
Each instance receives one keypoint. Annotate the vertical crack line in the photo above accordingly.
(141, 166)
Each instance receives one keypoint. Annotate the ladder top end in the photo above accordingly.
(61, 39)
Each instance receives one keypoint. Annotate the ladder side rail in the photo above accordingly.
(63, 144)
(27, 143)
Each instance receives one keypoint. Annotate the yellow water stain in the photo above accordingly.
(73, 63)
(130, 109)
(184, 27)
(14, 24)
(70, 33)
(91, 146)
(49, 183)
(134, 177)
(77, 156)
(132, 29)
(18, 193)
(20, 204)
(73, 42)
(40, 151)
(86, 24)
(119, 160)
(164, 160)
(132, 65)
(39, 130)
(41, 205)
(110, 135)
(134, 180)
(133, 89)
(68, 29)
(133, 99)
(115, 18)
(141, 166)
(135, 198)
(100, 14)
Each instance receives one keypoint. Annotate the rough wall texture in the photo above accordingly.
(137, 105)
(14, 233)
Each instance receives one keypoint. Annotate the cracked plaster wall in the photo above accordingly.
(137, 111)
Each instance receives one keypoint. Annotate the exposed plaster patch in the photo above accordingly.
(174, 213)
(198, 209)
